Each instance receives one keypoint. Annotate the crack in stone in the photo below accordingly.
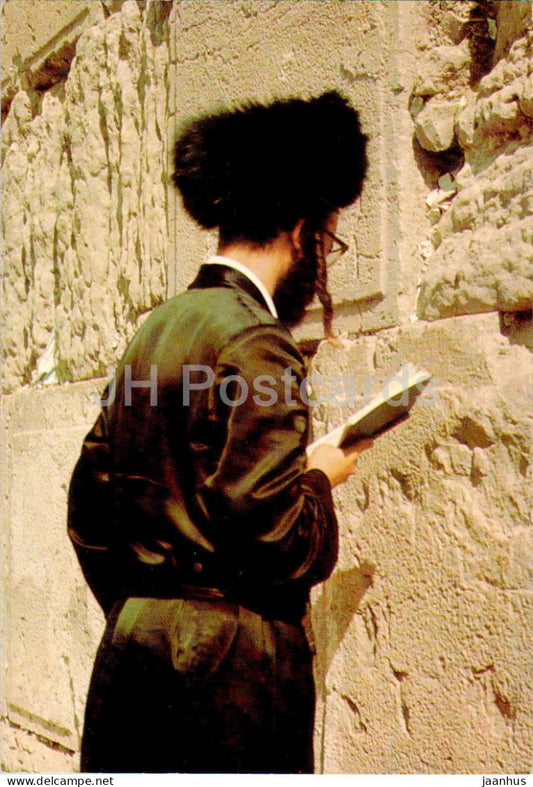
(360, 726)
(41, 738)
(405, 718)
(72, 696)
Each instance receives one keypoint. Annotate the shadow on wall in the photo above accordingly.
(333, 612)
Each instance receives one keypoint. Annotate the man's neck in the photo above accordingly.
(269, 263)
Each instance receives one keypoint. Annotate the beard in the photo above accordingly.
(297, 289)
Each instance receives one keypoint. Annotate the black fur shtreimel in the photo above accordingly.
(256, 170)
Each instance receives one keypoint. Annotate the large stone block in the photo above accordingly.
(434, 125)
(422, 632)
(226, 53)
(53, 624)
(490, 268)
(85, 202)
(483, 244)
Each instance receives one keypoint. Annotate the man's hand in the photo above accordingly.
(336, 463)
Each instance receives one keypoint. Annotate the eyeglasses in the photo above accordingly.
(338, 247)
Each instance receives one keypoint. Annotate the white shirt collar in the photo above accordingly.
(218, 259)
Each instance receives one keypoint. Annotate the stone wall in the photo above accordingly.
(483, 235)
(262, 49)
(85, 212)
(422, 632)
(84, 156)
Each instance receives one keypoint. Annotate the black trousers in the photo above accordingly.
(199, 686)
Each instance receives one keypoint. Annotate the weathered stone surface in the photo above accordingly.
(483, 257)
(244, 51)
(423, 630)
(464, 121)
(25, 751)
(498, 116)
(54, 623)
(444, 70)
(434, 125)
(513, 19)
(480, 271)
(27, 29)
(525, 97)
(85, 203)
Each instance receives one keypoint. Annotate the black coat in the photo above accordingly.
(190, 499)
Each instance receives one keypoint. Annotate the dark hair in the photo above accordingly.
(256, 170)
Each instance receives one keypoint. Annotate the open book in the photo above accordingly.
(392, 405)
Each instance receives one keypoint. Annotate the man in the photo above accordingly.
(198, 522)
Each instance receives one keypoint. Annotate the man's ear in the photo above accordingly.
(295, 235)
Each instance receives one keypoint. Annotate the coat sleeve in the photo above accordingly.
(90, 512)
(259, 499)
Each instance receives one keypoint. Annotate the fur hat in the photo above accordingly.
(255, 171)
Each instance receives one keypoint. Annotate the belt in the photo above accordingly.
(266, 607)
(260, 607)
(200, 592)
